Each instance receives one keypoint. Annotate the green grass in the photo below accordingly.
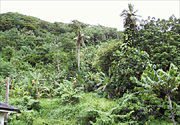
(57, 113)
(53, 112)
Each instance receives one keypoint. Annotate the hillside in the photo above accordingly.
(130, 76)
(30, 41)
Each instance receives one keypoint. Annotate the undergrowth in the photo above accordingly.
(92, 109)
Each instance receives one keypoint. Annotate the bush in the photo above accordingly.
(6, 68)
(29, 110)
(23, 118)
(93, 81)
(27, 103)
(163, 85)
(131, 109)
(160, 39)
(68, 93)
(89, 116)
(7, 53)
(104, 55)
(120, 62)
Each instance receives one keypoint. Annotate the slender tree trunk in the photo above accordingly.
(117, 37)
(171, 108)
(78, 56)
(7, 97)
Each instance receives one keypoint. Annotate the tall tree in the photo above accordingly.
(130, 19)
(78, 29)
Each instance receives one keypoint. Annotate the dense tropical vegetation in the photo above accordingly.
(115, 77)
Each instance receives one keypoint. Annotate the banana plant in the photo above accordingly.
(161, 82)
(36, 76)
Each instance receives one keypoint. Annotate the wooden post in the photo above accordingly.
(7, 89)
(7, 97)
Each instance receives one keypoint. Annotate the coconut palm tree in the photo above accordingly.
(130, 17)
(79, 39)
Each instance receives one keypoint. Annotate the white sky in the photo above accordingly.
(101, 12)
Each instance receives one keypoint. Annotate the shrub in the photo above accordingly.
(164, 85)
(29, 109)
(120, 63)
(7, 53)
(104, 57)
(25, 117)
(160, 39)
(131, 109)
(6, 68)
(27, 103)
(89, 116)
(94, 80)
(67, 92)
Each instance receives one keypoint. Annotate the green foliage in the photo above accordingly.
(128, 62)
(9, 38)
(31, 84)
(160, 81)
(7, 53)
(67, 92)
(160, 39)
(120, 62)
(104, 55)
(88, 78)
(99, 34)
(6, 21)
(28, 108)
(127, 110)
(27, 103)
(164, 85)
(40, 59)
(6, 68)
(131, 109)
(130, 20)
(19, 65)
(25, 117)
(88, 55)
(40, 55)
(66, 43)
(93, 107)
(93, 81)
(2, 88)
(65, 63)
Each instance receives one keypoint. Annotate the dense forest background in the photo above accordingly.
(56, 69)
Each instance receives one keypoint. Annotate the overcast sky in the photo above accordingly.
(101, 12)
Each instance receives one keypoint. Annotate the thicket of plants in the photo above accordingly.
(136, 71)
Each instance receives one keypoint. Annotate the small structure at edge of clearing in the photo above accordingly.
(4, 109)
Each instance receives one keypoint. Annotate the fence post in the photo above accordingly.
(7, 98)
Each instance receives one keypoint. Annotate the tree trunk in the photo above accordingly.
(78, 56)
(171, 108)
(7, 97)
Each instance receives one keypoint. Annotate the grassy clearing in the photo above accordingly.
(57, 113)
(53, 112)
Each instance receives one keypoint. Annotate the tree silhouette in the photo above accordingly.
(79, 39)
(130, 19)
